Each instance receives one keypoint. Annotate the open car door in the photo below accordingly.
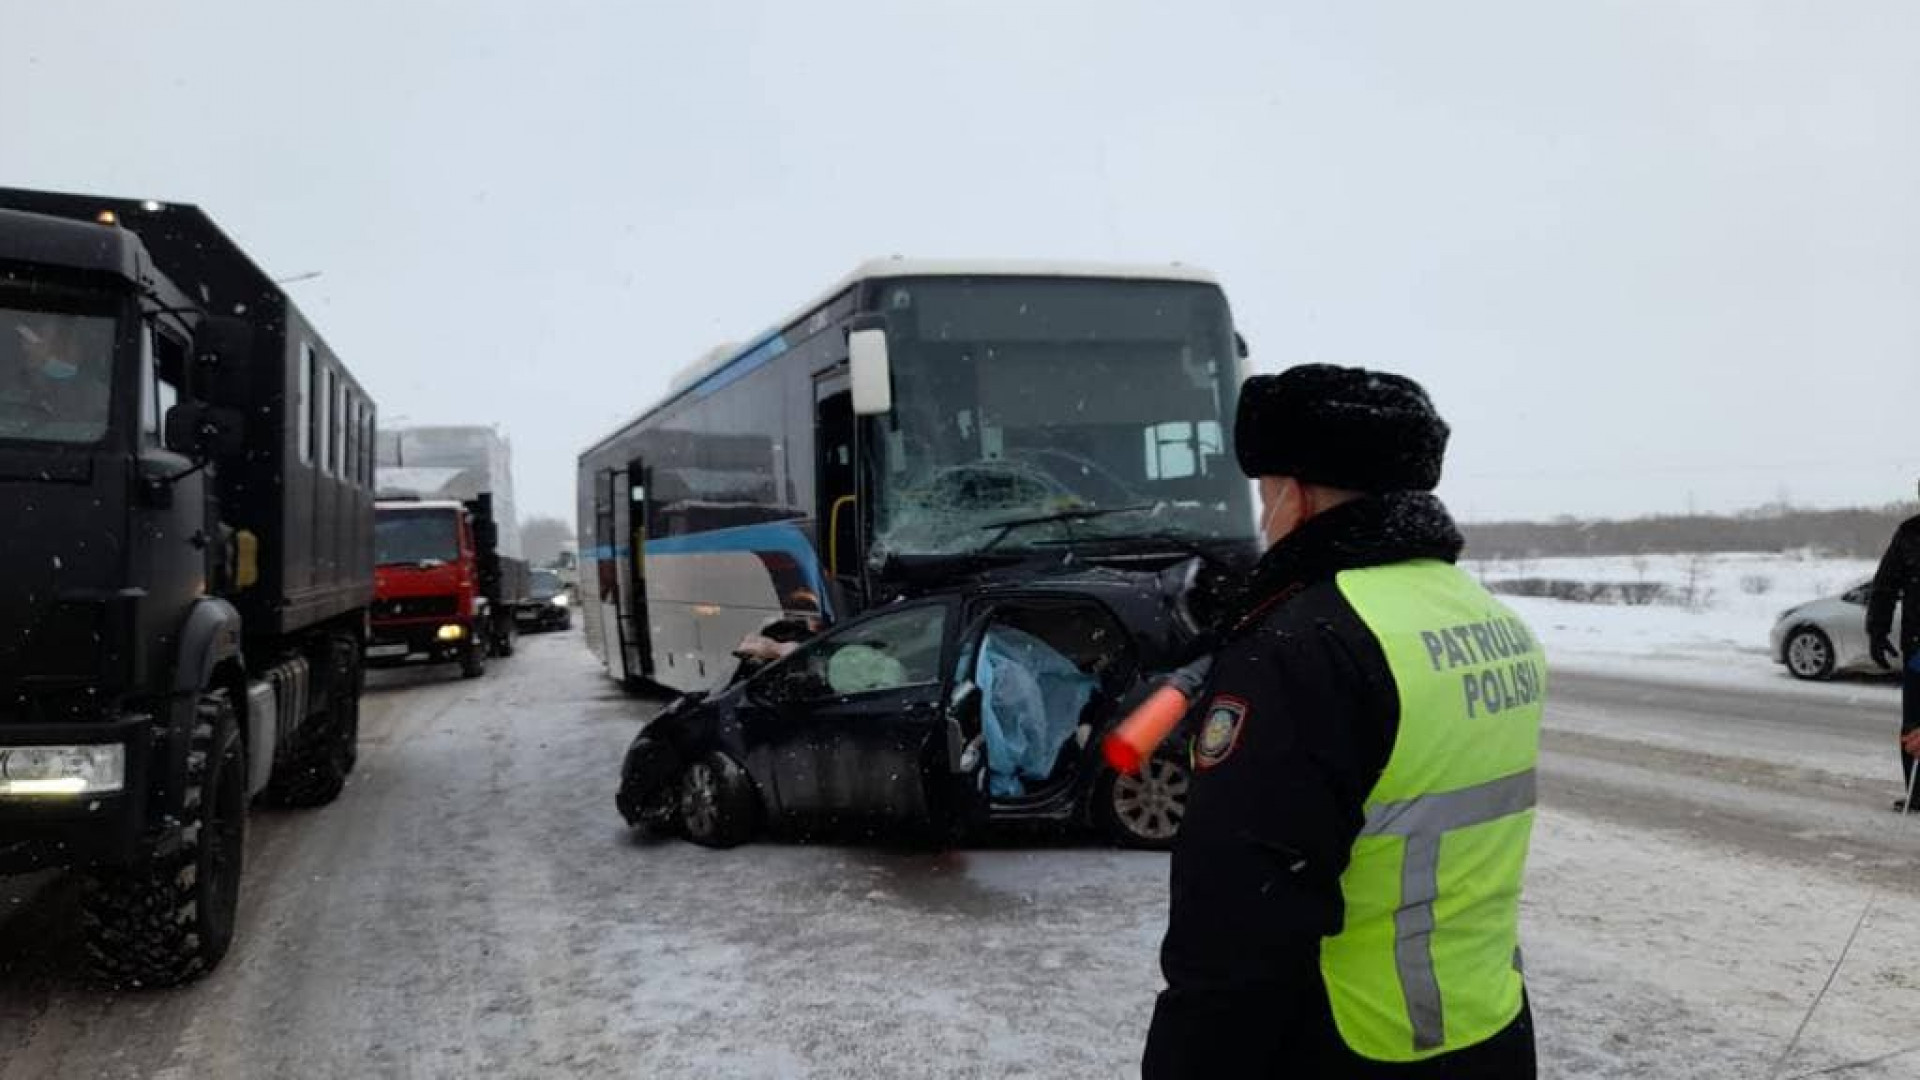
(962, 799)
(854, 719)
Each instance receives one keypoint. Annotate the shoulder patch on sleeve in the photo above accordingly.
(1219, 730)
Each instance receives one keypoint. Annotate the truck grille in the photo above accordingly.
(416, 607)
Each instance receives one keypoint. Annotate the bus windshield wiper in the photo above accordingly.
(1008, 526)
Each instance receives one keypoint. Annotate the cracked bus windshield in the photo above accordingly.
(1027, 398)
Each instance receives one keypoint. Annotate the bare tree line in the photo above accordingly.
(1858, 532)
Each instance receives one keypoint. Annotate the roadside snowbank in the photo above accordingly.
(1712, 630)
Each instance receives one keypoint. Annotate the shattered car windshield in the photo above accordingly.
(1030, 398)
(413, 537)
(56, 372)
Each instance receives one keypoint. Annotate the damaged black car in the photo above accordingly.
(981, 706)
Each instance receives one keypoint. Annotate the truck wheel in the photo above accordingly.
(345, 705)
(171, 921)
(316, 771)
(718, 807)
(473, 658)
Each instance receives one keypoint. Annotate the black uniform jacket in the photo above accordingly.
(1898, 581)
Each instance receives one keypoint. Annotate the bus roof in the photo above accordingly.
(723, 356)
(882, 269)
(896, 268)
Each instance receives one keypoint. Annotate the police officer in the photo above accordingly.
(1898, 582)
(1346, 885)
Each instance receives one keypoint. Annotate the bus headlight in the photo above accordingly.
(452, 632)
(97, 769)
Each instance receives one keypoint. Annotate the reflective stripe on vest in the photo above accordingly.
(1428, 959)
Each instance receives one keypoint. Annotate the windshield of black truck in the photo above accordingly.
(56, 371)
(415, 537)
(1018, 398)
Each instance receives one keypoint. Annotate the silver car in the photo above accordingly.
(1822, 637)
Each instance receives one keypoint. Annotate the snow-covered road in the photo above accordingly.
(472, 907)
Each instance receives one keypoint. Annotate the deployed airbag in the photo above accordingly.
(1031, 700)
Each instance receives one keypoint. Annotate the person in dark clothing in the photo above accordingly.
(1367, 700)
(1897, 582)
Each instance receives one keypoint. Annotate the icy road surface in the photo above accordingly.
(472, 907)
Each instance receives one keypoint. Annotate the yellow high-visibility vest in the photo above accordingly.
(1427, 961)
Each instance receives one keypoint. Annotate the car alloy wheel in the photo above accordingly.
(1809, 654)
(1150, 805)
(700, 800)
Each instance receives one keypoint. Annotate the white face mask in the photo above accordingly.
(1266, 519)
(60, 370)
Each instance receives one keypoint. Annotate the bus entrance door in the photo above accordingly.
(838, 513)
(607, 557)
(634, 628)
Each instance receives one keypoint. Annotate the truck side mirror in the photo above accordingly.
(221, 348)
(870, 366)
(204, 431)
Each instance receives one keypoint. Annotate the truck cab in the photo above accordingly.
(430, 602)
(108, 551)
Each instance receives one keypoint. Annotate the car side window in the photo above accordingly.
(888, 652)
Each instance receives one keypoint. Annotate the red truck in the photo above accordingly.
(442, 591)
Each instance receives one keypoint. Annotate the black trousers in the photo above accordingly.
(1227, 1047)
(1909, 715)
(1507, 1056)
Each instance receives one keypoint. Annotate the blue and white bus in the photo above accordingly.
(919, 421)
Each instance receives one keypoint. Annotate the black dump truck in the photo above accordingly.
(186, 481)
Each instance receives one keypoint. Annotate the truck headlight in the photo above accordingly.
(97, 769)
(452, 632)
(559, 600)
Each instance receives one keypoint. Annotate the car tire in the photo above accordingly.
(171, 921)
(718, 806)
(1144, 812)
(1809, 654)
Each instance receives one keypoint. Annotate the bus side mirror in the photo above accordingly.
(870, 366)
(221, 347)
(1240, 345)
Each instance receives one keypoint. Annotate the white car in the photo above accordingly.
(1823, 637)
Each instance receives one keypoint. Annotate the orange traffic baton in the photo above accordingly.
(1133, 740)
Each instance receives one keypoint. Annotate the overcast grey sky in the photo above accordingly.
(1645, 255)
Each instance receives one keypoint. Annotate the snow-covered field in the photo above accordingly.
(1709, 623)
